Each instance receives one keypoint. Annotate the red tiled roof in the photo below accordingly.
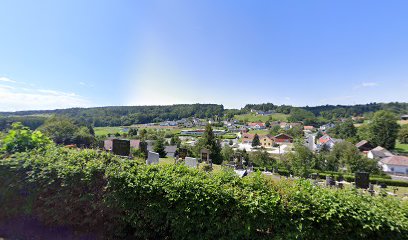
(396, 160)
(252, 124)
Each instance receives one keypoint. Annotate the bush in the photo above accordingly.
(129, 200)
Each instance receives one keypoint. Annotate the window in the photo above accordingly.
(392, 169)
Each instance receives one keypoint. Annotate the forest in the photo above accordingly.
(128, 115)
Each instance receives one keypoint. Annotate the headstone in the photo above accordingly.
(143, 148)
(241, 173)
(371, 189)
(152, 158)
(362, 180)
(330, 181)
(205, 155)
(315, 176)
(183, 153)
(121, 147)
(383, 185)
(191, 162)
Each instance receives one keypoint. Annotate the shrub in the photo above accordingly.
(129, 200)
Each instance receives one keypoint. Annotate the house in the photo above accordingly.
(326, 127)
(247, 138)
(379, 153)
(328, 142)
(284, 125)
(404, 117)
(283, 138)
(364, 146)
(308, 128)
(257, 125)
(267, 141)
(395, 164)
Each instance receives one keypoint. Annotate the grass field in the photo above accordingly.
(401, 148)
(259, 118)
(106, 130)
(259, 132)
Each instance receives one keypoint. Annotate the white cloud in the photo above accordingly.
(16, 99)
(369, 84)
(5, 88)
(5, 79)
(82, 83)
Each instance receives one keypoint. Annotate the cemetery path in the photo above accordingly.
(25, 228)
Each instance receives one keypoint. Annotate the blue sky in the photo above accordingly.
(58, 54)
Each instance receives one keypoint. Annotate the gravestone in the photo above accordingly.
(152, 158)
(191, 162)
(315, 176)
(330, 181)
(183, 153)
(362, 180)
(118, 146)
(143, 148)
(371, 189)
(205, 155)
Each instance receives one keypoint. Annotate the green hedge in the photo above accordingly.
(129, 200)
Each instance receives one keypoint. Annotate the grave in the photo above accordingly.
(118, 146)
(362, 180)
(330, 181)
(205, 155)
(183, 153)
(152, 158)
(191, 162)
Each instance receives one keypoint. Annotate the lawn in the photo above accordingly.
(259, 118)
(259, 132)
(401, 148)
(99, 131)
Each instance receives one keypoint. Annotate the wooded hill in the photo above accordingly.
(128, 115)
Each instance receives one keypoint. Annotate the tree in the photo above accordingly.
(403, 134)
(227, 152)
(21, 139)
(255, 141)
(363, 132)
(383, 129)
(160, 148)
(61, 130)
(175, 140)
(300, 160)
(275, 130)
(347, 155)
(83, 137)
(344, 130)
(209, 141)
(262, 159)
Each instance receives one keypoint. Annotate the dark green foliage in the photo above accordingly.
(210, 142)
(126, 200)
(403, 134)
(262, 159)
(159, 147)
(128, 115)
(255, 141)
(299, 161)
(383, 129)
(344, 130)
(63, 130)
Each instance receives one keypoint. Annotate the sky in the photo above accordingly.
(75, 53)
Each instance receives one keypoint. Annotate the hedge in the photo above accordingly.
(125, 199)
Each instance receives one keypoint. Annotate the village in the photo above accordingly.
(241, 139)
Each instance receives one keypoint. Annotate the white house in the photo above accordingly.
(395, 164)
(379, 153)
